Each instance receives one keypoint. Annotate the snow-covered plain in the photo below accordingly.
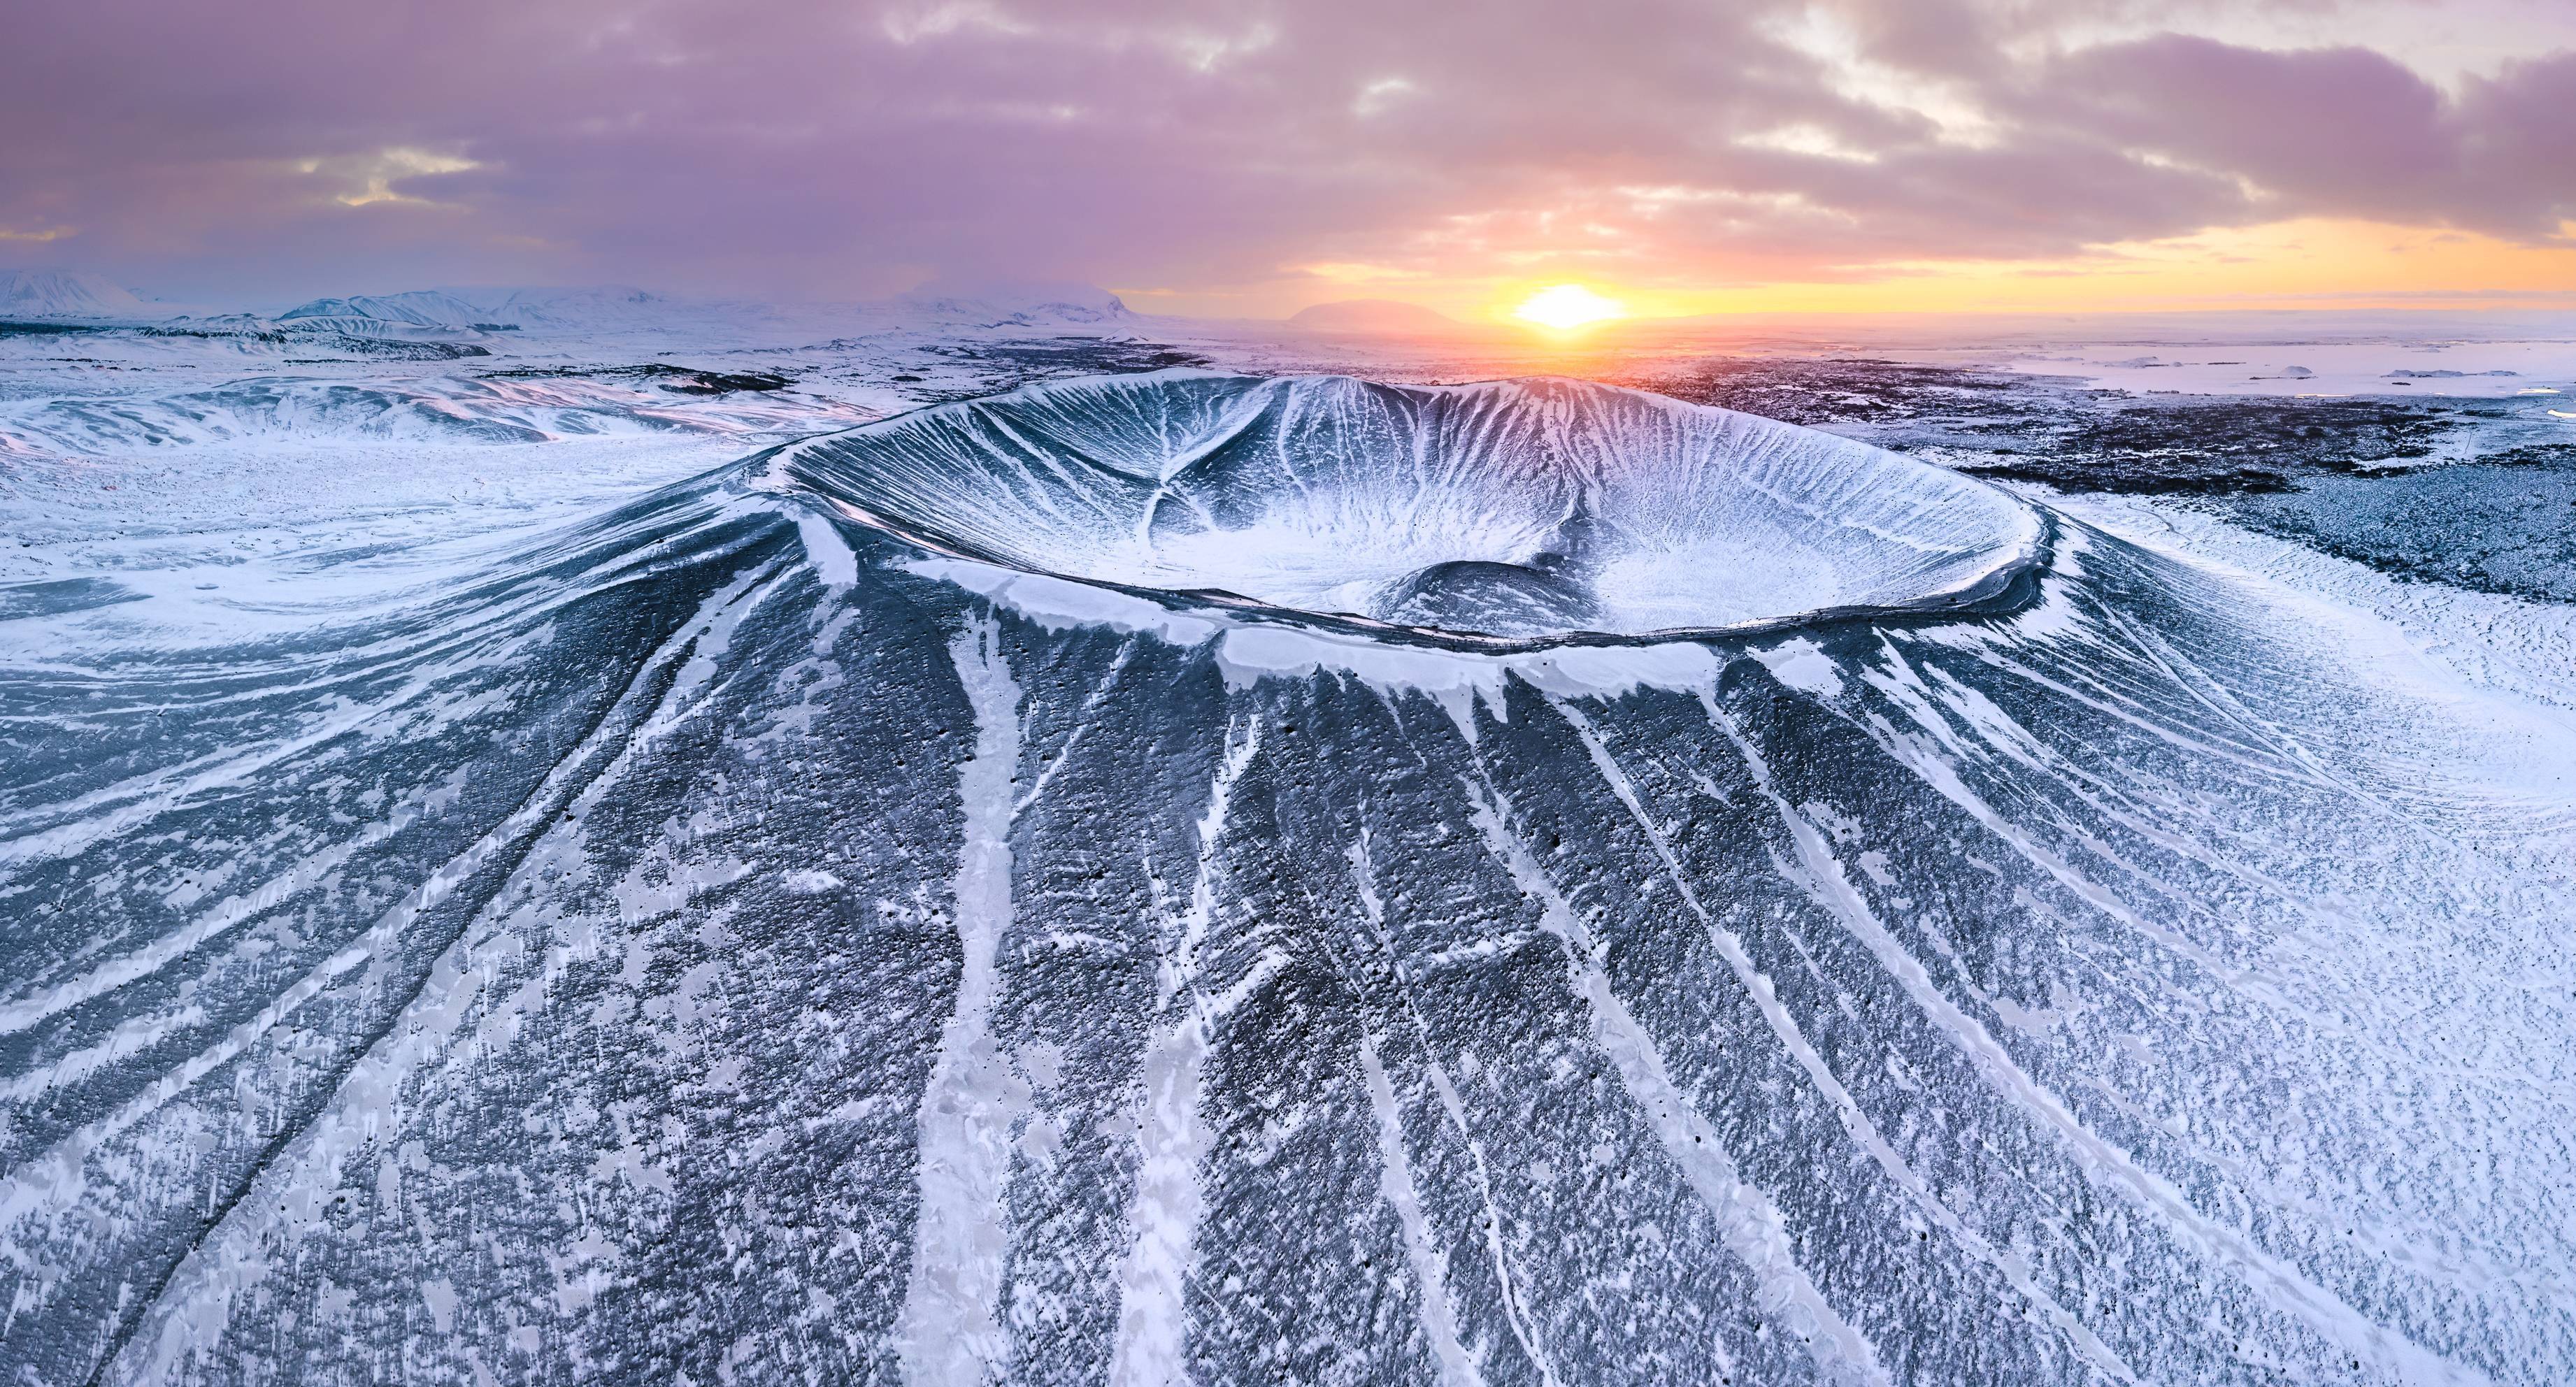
(600, 859)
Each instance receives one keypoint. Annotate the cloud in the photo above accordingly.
(369, 178)
(295, 145)
(2335, 131)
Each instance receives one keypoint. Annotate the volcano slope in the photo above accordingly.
(1197, 878)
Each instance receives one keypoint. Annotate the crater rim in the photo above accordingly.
(821, 467)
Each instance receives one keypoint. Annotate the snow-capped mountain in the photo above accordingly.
(427, 308)
(65, 294)
(612, 308)
(485, 309)
(1012, 303)
(590, 306)
(1374, 316)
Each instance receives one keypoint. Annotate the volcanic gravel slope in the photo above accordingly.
(803, 924)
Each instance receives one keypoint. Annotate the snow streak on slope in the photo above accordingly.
(862, 915)
(947, 1332)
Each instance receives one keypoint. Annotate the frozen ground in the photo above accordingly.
(590, 857)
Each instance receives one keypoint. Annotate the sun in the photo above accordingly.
(1568, 306)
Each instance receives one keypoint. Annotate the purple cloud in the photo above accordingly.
(2340, 131)
(287, 146)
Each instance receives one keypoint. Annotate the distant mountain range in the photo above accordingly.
(449, 310)
(483, 310)
(1015, 303)
(1375, 316)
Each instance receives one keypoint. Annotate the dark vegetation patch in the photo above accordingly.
(2230, 443)
(2503, 524)
(2332, 474)
(998, 366)
(2053, 430)
(370, 348)
(723, 382)
(228, 334)
(382, 349)
(679, 380)
(1852, 390)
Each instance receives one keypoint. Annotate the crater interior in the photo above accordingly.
(1523, 509)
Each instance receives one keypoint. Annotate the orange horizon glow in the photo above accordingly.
(1565, 307)
(2311, 263)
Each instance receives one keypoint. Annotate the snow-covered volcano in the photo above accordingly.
(66, 294)
(863, 915)
(1521, 510)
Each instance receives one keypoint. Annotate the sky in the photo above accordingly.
(1215, 158)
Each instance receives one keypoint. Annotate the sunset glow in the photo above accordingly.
(1817, 159)
(1568, 306)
